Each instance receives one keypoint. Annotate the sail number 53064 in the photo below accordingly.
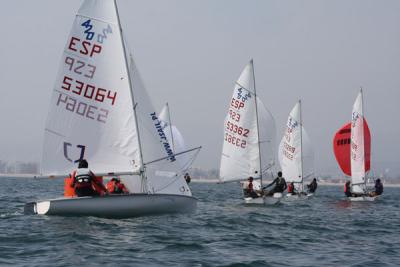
(235, 141)
(87, 90)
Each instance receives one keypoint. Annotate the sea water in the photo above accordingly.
(325, 230)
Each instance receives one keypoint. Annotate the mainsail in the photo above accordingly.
(244, 143)
(357, 156)
(296, 155)
(91, 114)
(100, 109)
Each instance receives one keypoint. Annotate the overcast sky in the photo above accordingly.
(191, 52)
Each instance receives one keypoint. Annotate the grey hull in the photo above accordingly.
(114, 206)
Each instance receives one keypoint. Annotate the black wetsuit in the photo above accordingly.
(378, 188)
(312, 187)
(280, 186)
(347, 191)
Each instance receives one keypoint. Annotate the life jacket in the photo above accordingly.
(114, 187)
(83, 177)
(68, 187)
(290, 188)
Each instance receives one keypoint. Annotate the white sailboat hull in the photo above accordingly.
(265, 200)
(114, 206)
(362, 199)
(297, 197)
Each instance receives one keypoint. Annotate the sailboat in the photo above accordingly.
(249, 138)
(296, 155)
(177, 141)
(100, 111)
(358, 150)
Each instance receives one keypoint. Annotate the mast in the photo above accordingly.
(142, 174)
(258, 128)
(362, 127)
(301, 148)
(170, 128)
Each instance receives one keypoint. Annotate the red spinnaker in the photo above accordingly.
(341, 147)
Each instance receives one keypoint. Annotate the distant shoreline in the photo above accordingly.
(216, 181)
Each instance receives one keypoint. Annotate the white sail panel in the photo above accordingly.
(290, 148)
(175, 137)
(91, 113)
(308, 155)
(163, 176)
(240, 152)
(266, 123)
(357, 146)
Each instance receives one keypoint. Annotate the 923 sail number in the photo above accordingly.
(233, 128)
(234, 115)
(235, 141)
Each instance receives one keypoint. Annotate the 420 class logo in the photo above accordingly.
(243, 94)
(81, 152)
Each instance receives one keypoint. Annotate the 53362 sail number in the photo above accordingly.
(233, 128)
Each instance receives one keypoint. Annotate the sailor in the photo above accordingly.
(114, 186)
(249, 190)
(85, 182)
(312, 187)
(280, 185)
(187, 178)
(291, 189)
(378, 188)
(347, 189)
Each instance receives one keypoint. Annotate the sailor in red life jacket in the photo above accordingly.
(85, 182)
(291, 189)
(114, 186)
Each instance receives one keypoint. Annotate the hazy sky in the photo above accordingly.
(191, 52)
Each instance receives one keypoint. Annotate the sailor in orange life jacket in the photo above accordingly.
(114, 186)
(85, 182)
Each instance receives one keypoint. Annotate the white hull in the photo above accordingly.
(114, 206)
(296, 197)
(265, 200)
(362, 199)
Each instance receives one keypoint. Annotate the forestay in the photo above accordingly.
(357, 157)
(91, 112)
(241, 148)
(296, 155)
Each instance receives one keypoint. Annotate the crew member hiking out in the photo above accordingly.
(85, 182)
(312, 187)
(280, 185)
(347, 189)
(378, 188)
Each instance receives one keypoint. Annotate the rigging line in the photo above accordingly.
(177, 154)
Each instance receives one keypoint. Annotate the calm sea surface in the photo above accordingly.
(323, 231)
